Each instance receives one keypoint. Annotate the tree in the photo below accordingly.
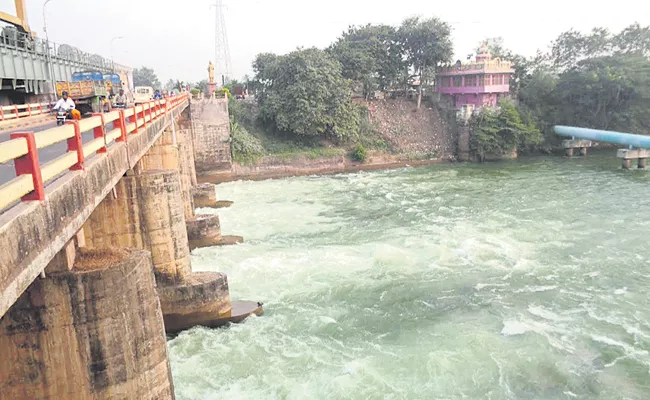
(145, 77)
(497, 131)
(610, 92)
(426, 43)
(173, 85)
(496, 48)
(304, 93)
(369, 55)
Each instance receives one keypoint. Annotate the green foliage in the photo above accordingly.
(195, 91)
(145, 77)
(426, 44)
(359, 153)
(369, 55)
(609, 92)
(495, 46)
(202, 85)
(597, 80)
(304, 93)
(222, 93)
(498, 131)
(246, 148)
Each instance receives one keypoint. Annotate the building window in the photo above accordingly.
(446, 81)
(506, 79)
(482, 80)
(470, 81)
(458, 81)
(496, 79)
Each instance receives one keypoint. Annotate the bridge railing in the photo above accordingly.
(22, 149)
(23, 110)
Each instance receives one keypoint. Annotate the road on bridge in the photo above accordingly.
(7, 170)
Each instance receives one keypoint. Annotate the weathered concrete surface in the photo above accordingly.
(32, 233)
(464, 136)
(204, 195)
(146, 212)
(186, 145)
(580, 144)
(271, 167)
(211, 131)
(203, 230)
(201, 300)
(229, 240)
(70, 336)
(631, 154)
(576, 144)
(224, 204)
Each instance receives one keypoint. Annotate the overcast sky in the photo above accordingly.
(176, 38)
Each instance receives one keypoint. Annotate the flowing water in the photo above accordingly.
(521, 280)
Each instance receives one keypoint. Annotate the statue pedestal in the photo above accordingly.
(211, 88)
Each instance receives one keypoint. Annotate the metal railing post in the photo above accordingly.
(134, 118)
(100, 132)
(28, 164)
(121, 123)
(75, 144)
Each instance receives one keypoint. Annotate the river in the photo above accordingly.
(517, 280)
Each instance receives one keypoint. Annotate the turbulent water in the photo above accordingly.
(522, 280)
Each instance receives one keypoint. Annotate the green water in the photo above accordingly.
(522, 280)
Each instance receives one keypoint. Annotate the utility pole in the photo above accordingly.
(48, 54)
(222, 63)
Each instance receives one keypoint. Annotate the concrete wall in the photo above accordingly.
(211, 127)
(70, 336)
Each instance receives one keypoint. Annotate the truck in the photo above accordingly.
(88, 90)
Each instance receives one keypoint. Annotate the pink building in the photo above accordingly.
(480, 83)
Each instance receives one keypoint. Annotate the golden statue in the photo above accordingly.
(211, 72)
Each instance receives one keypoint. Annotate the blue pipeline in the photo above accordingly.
(626, 139)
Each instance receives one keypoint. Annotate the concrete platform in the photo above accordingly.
(632, 154)
(223, 204)
(230, 240)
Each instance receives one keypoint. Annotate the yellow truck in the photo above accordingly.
(87, 90)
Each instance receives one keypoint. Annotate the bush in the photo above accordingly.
(245, 147)
(359, 153)
(195, 92)
(222, 93)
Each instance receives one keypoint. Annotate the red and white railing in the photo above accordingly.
(23, 110)
(23, 147)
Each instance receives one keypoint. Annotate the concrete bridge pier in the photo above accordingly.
(174, 151)
(205, 196)
(627, 155)
(571, 145)
(147, 211)
(93, 331)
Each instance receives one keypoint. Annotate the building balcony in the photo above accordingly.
(474, 89)
(480, 68)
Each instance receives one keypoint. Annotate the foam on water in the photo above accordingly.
(499, 281)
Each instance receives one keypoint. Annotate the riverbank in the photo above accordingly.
(274, 167)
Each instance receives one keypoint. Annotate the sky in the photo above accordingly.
(176, 38)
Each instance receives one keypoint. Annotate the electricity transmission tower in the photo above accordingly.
(222, 65)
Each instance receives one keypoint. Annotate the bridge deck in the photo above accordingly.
(33, 232)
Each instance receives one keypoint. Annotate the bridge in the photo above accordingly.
(31, 63)
(96, 242)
